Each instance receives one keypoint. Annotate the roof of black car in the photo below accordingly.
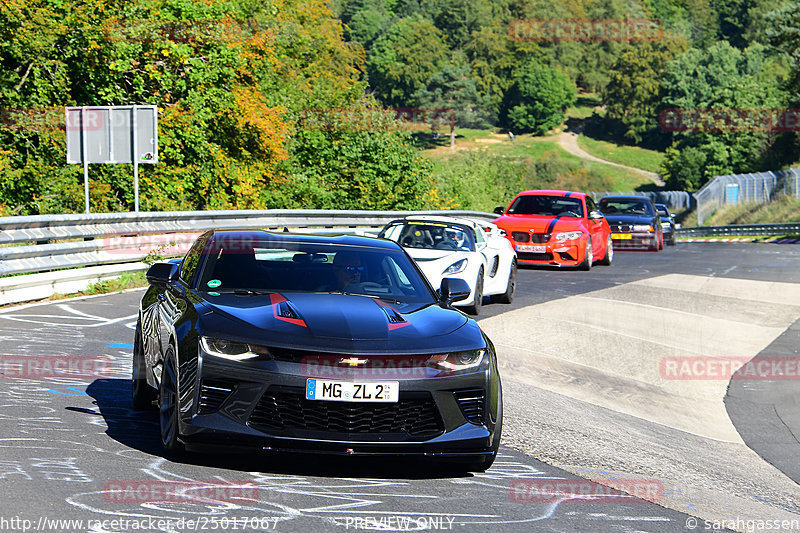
(329, 238)
(627, 198)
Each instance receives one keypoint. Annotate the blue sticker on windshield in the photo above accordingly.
(214, 283)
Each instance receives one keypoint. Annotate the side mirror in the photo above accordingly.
(162, 273)
(499, 210)
(453, 289)
(596, 215)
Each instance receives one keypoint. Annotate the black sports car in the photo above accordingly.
(634, 222)
(667, 224)
(279, 341)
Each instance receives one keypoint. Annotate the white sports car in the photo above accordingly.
(471, 249)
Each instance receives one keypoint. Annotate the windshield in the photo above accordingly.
(626, 207)
(264, 265)
(553, 206)
(431, 236)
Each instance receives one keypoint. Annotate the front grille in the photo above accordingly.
(528, 256)
(471, 402)
(536, 238)
(212, 394)
(622, 229)
(281, 407)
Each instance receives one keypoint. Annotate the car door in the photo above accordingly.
(173, 300)
(483, 249)
(596, 229)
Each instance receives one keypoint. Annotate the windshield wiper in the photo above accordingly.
(373, 296)
(250, 292)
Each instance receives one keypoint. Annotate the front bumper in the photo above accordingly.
(634, 240)
(262, 405)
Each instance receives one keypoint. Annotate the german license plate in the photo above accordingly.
(531, 248)
(348, 391)
(625, 236)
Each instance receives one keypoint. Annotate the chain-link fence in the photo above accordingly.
(760, 187)
(675, 200)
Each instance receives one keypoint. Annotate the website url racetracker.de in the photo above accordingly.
(199, 523)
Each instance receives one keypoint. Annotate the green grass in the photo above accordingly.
(632, 156)
(584, 107)
(785, 209)
(128, 280)
(611, 178)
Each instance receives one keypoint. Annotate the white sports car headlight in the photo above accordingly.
(568, 236)
(456, 267)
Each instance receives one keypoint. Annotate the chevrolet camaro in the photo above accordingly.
(333, 344)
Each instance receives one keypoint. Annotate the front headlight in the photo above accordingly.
(642, 227)
(568, 236)
(235, 351)
(456, 267)
(456, 361)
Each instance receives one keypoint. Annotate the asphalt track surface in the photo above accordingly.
(69, 446)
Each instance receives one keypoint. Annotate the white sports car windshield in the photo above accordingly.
(432, 236)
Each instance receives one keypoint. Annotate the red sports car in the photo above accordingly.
(557, 228)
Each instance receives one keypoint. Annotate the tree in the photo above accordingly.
(404, 59)
(537, 100)
(634, 91)
(452, 93)
(730, 82)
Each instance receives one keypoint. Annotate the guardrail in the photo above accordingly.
(792, 228)
(50, 242)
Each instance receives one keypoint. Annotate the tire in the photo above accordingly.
(661, 242)
(508, 296)
(143, 395)
(168, 407)
(609, 257)
(653, 245)
(671, 242)
(477, 300)
(587, 256)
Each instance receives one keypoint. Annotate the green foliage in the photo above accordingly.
(357, 170)
(481, 181)
(538, 99)
(725, 78)
(404, 58)
(634, 92)
(452, 88)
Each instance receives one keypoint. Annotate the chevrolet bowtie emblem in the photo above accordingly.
(353, 361)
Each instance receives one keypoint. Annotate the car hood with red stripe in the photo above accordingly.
(338, 322)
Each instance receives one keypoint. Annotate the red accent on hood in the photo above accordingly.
(276, 299)
(393, 325)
